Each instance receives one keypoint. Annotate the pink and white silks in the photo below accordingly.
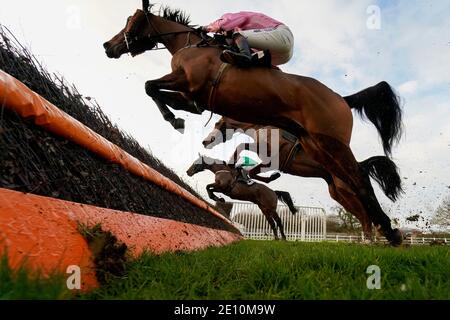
(261, 31)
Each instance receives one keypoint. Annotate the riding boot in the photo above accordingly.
(243, 176)
(262, 59)
(243, 58)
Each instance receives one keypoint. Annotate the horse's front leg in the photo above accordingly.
(167, 91)
(168, 115)
(254, 174)
(211, 188)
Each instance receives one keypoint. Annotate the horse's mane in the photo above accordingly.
(175, 15)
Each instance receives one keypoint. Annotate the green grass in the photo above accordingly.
(276, 270)
(20, 284)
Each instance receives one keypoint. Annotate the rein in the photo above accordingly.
(156, 37)
(149, 38)
(204, 42)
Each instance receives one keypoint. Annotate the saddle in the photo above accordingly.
(243, 177)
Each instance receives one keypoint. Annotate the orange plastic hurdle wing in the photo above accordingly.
(43, 233)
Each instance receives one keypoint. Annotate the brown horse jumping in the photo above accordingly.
(226, 182)
(317, 116)
(293, 160)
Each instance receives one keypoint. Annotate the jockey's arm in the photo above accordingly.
(228, 22)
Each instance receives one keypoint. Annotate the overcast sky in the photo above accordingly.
(339, 42)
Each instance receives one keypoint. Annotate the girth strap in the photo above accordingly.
(291, 155)
(289, 136)
(215, 85)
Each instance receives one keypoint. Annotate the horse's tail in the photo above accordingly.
(285, 197)
(385, 172)
(381, 105)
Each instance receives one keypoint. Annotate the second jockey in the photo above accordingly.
(257, 31)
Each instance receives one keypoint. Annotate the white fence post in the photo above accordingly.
(303, 226)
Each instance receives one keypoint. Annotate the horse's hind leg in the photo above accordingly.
(277, 219)
(352, 204)
(339, 160)
(304, 166)
(268, 214)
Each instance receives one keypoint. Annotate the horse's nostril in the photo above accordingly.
(106, 45)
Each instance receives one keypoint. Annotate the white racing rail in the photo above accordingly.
(309, 224)
(412, 240)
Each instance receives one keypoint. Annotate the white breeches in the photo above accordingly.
(279, 41)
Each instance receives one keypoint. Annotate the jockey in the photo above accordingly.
(254, 30)
(243, 164)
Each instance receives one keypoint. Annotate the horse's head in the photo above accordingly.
(217, 136)
(220, 135)
(137, 37)
(197, 166)
(144, 30)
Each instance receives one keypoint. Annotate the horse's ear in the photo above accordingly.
(145, 5)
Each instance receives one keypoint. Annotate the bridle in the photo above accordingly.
(157, 38)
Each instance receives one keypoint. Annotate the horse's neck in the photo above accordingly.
(176, 42)
(217, 167)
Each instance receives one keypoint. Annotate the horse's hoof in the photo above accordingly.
(149, 88)
(178, 124)
(275, 176)
(395, 238)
